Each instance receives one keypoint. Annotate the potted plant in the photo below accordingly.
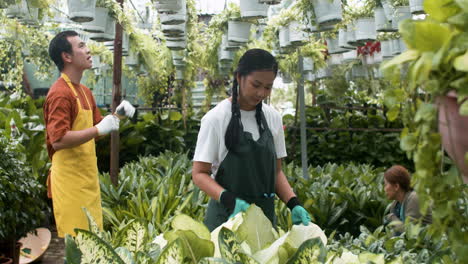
(416, 6)
(297, 35)
(327, 12)
(168, 6)
(21, 196)
(82, 10)
(402, 12)
(253, 9)
(178, 17)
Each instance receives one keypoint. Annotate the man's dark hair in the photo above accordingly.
(252, 60)
(60, 44)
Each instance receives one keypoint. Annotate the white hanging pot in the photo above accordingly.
(173, 30)
(108, 34)
(225, 55)
(176, 45)
(402, 45)
(365, 30)
(382, 24)
(125, 43)
(177, 18)
(396, 47)
(307, 64)
(253, 9)
(416, 6)
(178, 63)
(31, 17)
(378, 57)
(309, 76)
(168, 6)
(269, 2)
(17, 10)
(323, 73)
(351, 36)
(401, 13)
(132, 58)
(81, 10)
(389, 10)
(286, 77)
(333, 45)
(284, 37)
(96, 61)
(386, 48)
(358, 71)
(238, 31)
(327, 12)
(335, 59)
(297, 36)
(368, 59)
(343, 39)
(179, 74)
(229, 45)
(350, 56)
(98, 25)
(177, 55)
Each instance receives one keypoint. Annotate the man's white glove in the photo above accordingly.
(108, 124)
(125, 109)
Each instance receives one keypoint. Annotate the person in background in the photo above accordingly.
(241, 142)
(72, 122)
(405, 203)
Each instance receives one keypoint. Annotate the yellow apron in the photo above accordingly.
(74, 178)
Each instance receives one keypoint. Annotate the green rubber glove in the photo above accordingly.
(241, 206)
(300, 215)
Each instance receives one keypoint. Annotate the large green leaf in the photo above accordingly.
(424, 35)
(72, 252)
(464, 108)
(172, 254)
(461, 62)
(213, 261)
(256, 229)
(194, 247)
(441, 10)
(311, 251)
(94, 249)
(135, 237)
(175, 116)
(406, 56)
(463, 4)
(125, 255)
(231, 249)
(185, 222)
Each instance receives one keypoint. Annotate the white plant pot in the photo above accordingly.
(402, 45)
(284, 37)
(327, 12)
(350, 56)
(335, 59)
(177, 55)
(351, 36)
(19, 10)
(168, 6)
(179, 74)
(177, 18)
(82, 10)
(382, 24)
(309, 76)
(31, 17)
(297, 36)
(108, 34)
(386, 48)
(173, 30)
(333, 45)
(238, 31)
(178, 63)
(176, 45)
(359, 71)
(132, 58)
(416, 6)
(270, 2)
(389, 10)
(229, 45)
(401, 13)
(323, 73)
(96, 61)
(307, 64)
(365, 30)
(343, 40)
(378, 57)
(368, 59)
(98, 25)
(396, 47)
(225, 55)
(125, 43)
(253, 9)
(286, 78)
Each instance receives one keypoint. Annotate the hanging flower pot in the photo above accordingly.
(323, 73)
(270, 2)
(395, 47)
(453, 127)
(238, 31)
(382, 24)
(351, 36)
(82, 10)
(168, 6)
(307, 64)
(416, 6)
(18, 10)
(350, 56)
(253, 9)
(132, 58)
(327, 12)
(178, 63)
(125, 43)
(343, 39)
(179, 74)
(173, 30)
(368, 59)
(177, 18)
(176, 45)
(334, 46)
(402, 45)
(378, 57)
(297, 36)
(284, 37)
(108, 34)
(335, 59)
(401, 13)
(358, 71)
(229, 45)
(389, 10)
(31, 17)
(225, 55)
(98, 25)
(386, 48)
(96, 61)
(286, 77)
(309, 76)
(365, 30)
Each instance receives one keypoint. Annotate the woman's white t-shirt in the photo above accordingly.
(210, 143)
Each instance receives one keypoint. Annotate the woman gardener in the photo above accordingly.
(241, 142)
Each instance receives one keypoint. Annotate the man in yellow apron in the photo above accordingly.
(72, 122)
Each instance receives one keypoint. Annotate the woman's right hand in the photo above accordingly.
(241, 206)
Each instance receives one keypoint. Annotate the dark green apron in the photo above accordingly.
(248, 171)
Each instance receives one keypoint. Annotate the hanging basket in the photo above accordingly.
(284, 38)
(350, 56)
(395, 47)
(359, 71)
(453, 127)
(401, 13)
(238, 31)
(297, 36)
(18, 11)
(173, 30)
(389, 10)
(416, 6)
(108, 34)
(225, 55)
(176, 45)
(343, 39)
(351, 36)
(132, 58)
(386, 48)
(82, 10)
(365, 30)
(335, 59)
(309, 76)
(98, 25)
(253, 9)
(378, 57)
(177, 18)
(232, 46)
(96, 61)
(402, 45)
(307, 64)
(382, 24)
(323, 73)
(327, 12)
(168, 6)
(333, 45)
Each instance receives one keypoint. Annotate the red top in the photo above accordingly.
(61, 109)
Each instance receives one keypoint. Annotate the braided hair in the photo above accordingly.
(252, 60)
